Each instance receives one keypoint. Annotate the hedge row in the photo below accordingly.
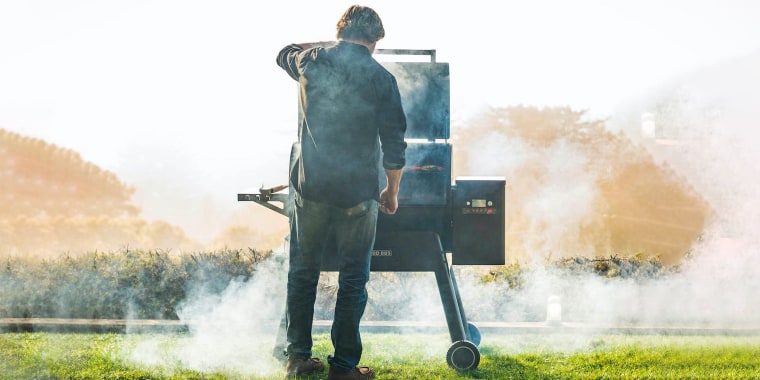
(132, 284)
(119, 285)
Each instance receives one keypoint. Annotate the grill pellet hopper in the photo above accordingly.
(436, 218)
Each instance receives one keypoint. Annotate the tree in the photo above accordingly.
(575, 188)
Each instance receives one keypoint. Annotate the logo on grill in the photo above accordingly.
(383, 253)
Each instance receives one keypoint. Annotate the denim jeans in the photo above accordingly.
(311, 224)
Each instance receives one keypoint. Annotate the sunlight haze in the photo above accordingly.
(183, 99)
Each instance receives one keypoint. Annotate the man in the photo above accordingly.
(351, 114)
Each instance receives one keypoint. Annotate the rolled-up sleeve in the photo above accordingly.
(392, 125)
(287, 58)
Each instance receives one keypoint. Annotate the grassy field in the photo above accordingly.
(395, 356)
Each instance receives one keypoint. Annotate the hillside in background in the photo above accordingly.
(576, 189)
(52, 201)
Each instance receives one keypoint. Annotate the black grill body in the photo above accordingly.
(434, 217)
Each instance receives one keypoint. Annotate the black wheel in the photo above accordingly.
(463, 356)
(474, 333)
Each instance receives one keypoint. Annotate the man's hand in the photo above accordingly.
(389, 195)
(388, 202)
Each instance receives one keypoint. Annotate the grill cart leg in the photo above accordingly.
(449, 301)
(472, 331)
(463, 355)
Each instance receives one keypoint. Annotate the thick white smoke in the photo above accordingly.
(715, 148)
(564, 203)
(233, 331)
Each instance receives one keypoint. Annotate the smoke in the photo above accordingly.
(706, 128)
(563, 192)
(425, 94)
(719, 155)
(575, 188)
(235, 330)
(563, 204)
(563, 200)
(706, 293)
(232, 331)
(560, 196)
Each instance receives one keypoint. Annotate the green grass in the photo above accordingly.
(402, 356)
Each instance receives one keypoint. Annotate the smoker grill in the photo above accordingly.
(434, 218)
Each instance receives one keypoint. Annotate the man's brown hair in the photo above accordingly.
(361, 23)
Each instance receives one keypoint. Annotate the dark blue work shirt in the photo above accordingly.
(351, 112)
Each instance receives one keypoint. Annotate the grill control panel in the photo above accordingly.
(479, 207)
(478, 226)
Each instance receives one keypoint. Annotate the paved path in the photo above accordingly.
(99, 325)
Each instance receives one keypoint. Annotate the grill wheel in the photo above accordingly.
(463, 356)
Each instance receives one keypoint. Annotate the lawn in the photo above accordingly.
(393, 356)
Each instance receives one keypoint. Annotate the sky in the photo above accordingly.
(183, 100)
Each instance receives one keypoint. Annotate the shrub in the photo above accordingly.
(118, 285)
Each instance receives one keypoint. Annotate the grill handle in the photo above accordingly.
(265, 197)
(430, 52)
